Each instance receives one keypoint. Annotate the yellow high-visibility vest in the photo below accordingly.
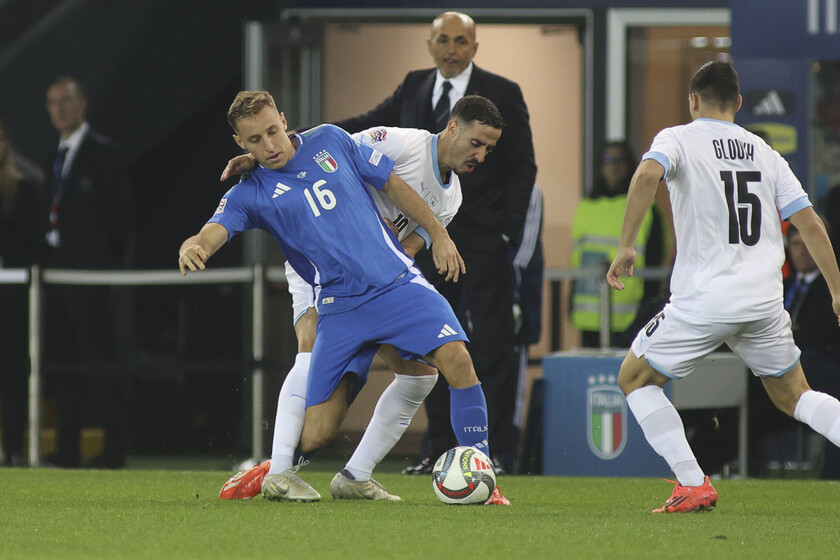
(596, 232)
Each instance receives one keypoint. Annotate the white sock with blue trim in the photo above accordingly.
(821, 412)
(391, 417)
(291, 409)
(664, 431)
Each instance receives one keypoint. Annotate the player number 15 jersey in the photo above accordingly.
(725, 186)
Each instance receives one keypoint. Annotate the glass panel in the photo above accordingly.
(826, 163)
(661, 61)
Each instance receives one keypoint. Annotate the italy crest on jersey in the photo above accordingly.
(606, 420)
(326, 161)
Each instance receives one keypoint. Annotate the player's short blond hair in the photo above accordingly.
(248, 104)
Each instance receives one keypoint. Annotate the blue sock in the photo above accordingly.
(468, 415)
(305, 456)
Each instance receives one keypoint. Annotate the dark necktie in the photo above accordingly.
(441, 111)
(53, 238)
(58, 165)
(795, 296)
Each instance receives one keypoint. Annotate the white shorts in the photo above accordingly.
(303, 294)
(673, 343)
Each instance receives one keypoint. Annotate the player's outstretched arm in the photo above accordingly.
(813, 233)
(642, 191)
(238, 166)
(197, 249)
(446, 256)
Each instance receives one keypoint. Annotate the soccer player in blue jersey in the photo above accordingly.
(309, 192)
(430, 164)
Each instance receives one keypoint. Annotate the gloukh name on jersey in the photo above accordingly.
(733, 149)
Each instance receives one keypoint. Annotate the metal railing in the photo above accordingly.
(557, 276)
(37, 279)
(256, 276)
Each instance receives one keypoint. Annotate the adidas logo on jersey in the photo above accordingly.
(446, 331)
(771, 104)
(280, 189)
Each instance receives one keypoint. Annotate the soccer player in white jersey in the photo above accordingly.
(725, 186)
(429, 163)
(309, 192)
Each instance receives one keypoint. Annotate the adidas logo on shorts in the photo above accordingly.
(446, 331)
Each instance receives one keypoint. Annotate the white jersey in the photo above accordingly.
(725, 185)
(415, 158)
(414, 153)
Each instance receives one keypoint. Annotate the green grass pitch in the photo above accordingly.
(57, 514)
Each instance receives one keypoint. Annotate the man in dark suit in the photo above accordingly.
(817, 335)
(808, 302)
(491, 218)
(89, 225)
(815, 330)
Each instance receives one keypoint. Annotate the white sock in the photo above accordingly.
(391, 417)
(291, 408)
(821, 412)
(664, 431)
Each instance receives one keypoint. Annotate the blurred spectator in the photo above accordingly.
(19, 242)
(817, 334)
(89, 226)
(596, 230)
(831, 209)
(808, 302)
(488, 224)
(528, 266)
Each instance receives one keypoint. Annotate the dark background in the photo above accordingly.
(159, 76)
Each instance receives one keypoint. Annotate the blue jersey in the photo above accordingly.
(318, 209)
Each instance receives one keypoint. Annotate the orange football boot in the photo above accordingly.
(685, 499)
(496, 498)
(246, 484)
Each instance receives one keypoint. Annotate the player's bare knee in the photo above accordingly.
(455, 364)
(784, 401)
(636, 373)
(314, 440)
(318, 432)
(628, 377)
(784, 395)
(786, 389)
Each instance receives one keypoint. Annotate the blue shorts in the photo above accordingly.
(413, 317)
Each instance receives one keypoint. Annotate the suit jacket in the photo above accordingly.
(95, 213)
(815, 324)
(20, 227)
(497, 193)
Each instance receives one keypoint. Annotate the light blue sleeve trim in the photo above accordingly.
(660, 158)
(794, 207)
(424, 234)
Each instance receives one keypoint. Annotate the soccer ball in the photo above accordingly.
(463, 475)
